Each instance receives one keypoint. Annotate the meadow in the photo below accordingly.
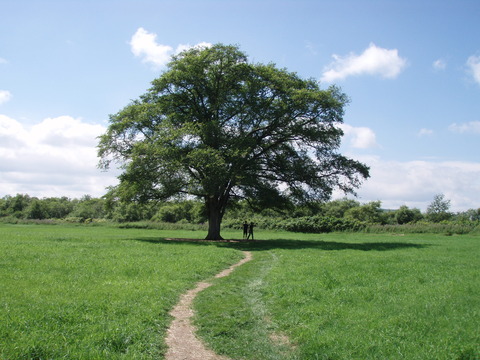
(99, 292)
(79, 292)
(349, 296)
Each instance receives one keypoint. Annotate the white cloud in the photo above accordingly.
(359, 137)
(144, 44)
(373, 61)
(5, 96)
(470, 127)
(439, 64)
(473, 64)
(414, 183)
(3, 61)
(424, 132)
(56, 157)
(184, 47)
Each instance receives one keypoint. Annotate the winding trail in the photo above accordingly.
(181, 340)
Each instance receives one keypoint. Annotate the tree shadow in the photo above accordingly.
(289, 244)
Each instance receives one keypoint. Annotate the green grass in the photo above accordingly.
(94, 292)
(98, 292)
(349, 296)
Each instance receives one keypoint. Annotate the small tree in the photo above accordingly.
(406, 215)
(370, 212)
(89, 208)
(219, 128)
(337, 208)
(37, 209)
(438, 210)
(469, 215)
(15, 205)
(59, 207)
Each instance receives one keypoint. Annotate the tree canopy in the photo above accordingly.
(438, 210)
(220, 128)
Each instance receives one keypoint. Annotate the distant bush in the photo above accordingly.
(261, 222)
(14, 220)
(161, 225)
(10, 219)
(323, 224)
(305, 224)
(424, 227)
(73, 219)
(337, 215)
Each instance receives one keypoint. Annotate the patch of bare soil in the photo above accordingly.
(181, 340)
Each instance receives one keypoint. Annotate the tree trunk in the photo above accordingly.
(215, 215)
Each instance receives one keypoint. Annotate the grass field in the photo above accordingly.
(95, 292)
(349, 296)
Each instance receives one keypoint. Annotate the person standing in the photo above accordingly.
(245, 229)
(250, 230)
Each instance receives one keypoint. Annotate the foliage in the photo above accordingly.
(426, 227)
(369, 213)
(336, 215)
(89, 208)
(469, 215)
(404, 215)
(322, 224)
(172, 212)
(129, 211)
(438, 210)
(36, 209)
(162, 226)
(219, 128)
(14, 205)
(23, 206)
(338, 208)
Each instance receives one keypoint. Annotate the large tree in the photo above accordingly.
(220, 128)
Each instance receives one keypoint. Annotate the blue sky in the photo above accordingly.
(410, 68)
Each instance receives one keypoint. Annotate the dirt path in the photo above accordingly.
(181, 340)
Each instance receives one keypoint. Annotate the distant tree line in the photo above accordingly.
(22, 206)
(337, 215)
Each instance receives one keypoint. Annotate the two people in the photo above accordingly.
(248, 230)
